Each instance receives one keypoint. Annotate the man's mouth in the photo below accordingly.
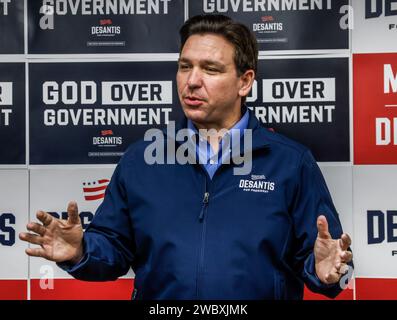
(193, 100)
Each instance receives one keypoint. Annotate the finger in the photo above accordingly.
(332, 277)
(31, 238)
(346, 256)
(345, 241)
(322, 227)
(73, 213)
(44, 217)
(342, 269)
(35, 252)
(36, 227)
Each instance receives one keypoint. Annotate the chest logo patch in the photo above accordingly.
(257, 183)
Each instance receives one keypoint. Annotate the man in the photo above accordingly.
(199, 231)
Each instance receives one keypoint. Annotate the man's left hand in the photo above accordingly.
(331, 256)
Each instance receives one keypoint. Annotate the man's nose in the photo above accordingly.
(195, 79)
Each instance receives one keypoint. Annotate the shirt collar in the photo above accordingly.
(260, 135)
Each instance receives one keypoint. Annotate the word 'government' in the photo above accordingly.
(117, 116)
(101, 7)
(210, 6)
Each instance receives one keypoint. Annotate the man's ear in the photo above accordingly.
(246, 81)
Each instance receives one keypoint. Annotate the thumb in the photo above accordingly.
(73, 213)
(322, 227)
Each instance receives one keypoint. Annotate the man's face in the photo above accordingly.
(208, 85)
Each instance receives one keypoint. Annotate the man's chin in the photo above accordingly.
(197, 116)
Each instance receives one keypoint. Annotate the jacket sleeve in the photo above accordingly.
(312, 198)
(109, 244)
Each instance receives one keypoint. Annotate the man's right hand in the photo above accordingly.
(59, 240)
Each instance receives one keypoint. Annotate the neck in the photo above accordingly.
(214, 132)
(225, 124)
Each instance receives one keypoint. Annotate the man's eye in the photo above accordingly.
(183, 67)
(211, 70)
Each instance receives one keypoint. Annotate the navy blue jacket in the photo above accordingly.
(247, 240)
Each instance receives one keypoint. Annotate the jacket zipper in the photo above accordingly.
(204, 207)
(203, 234)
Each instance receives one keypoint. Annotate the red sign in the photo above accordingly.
(375, 108)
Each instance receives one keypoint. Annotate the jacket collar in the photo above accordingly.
(259, 133)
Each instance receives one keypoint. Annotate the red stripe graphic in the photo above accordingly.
(96, 197)
(13, 289)
(71, 289)
(376, 289)
(103, 181)
(346, 294)
(94, 189)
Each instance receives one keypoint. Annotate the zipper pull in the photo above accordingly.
(205, 201)
(206, 196)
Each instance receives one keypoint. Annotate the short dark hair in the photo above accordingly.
(243, 40)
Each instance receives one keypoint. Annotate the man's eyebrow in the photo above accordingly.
(213, 63)
(183, 60)
(204, 62)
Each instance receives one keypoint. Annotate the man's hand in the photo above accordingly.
(59, 240)
(331, 256)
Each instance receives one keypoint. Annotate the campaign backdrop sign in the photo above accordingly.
(13, 219)
(12, 113)
(375, 108)
(120, 26)
(285, 25)
(375, 216)
(375, 26)
(339, 179)
(306, 100)
(11, 27)
(83, 113)
(51, 190)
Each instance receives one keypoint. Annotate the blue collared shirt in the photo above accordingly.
(204, 152)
